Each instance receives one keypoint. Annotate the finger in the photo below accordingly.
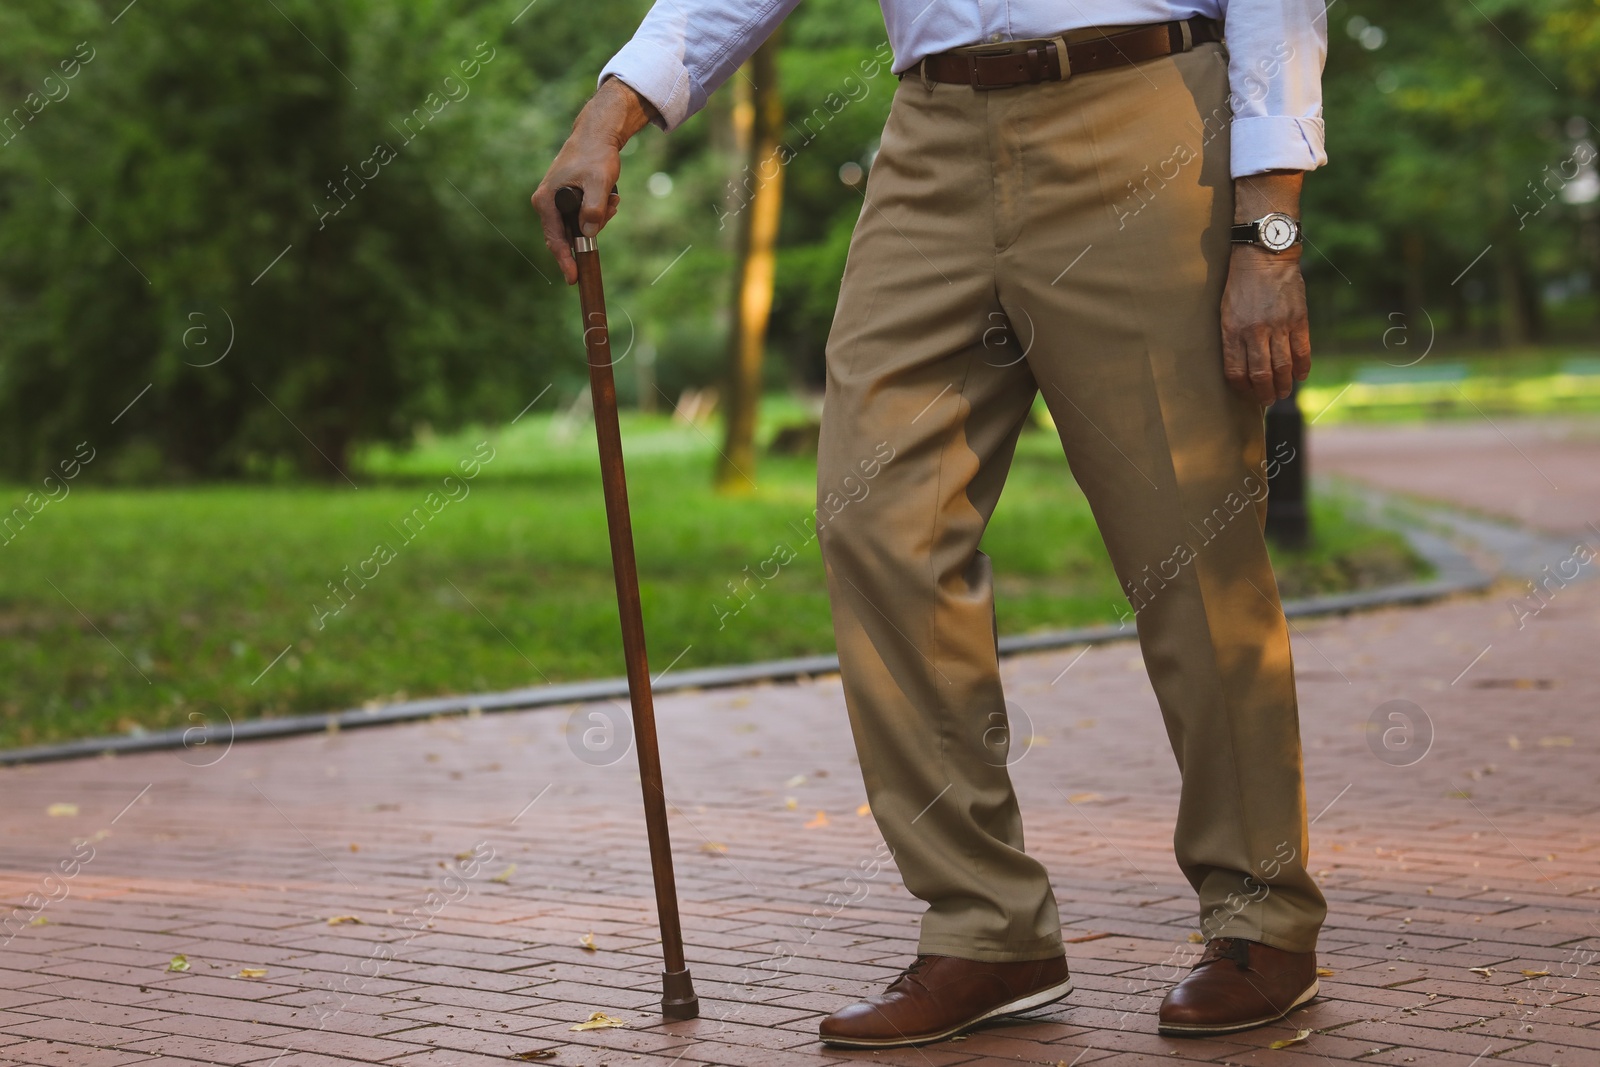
(613, 206)
(1300, 348)
(1258, 351)
(596, 201)
(555, 233)
(1235, 365)
(1282, 363)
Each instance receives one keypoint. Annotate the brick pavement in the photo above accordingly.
(1539, 472)
(483, 859)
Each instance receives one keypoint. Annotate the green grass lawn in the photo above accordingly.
(128, 609)
(1404, 385)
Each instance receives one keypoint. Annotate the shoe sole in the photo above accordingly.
(1047, 995)
(1191, 1030)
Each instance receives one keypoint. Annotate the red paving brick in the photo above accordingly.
(1539, 472)
(1481, 855)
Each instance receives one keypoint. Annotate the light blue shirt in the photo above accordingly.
(685, 49)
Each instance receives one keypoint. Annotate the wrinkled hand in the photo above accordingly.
(1266, 338)
(592, 164)
(591, 159)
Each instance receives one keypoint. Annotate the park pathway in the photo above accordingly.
(463, 891)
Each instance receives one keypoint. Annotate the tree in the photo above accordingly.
(331, 189)
(757, 121)
(1442, 120)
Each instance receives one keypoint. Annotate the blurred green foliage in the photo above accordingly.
(210, 174)
(1457, 130)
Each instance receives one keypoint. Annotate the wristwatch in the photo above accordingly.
(1274, 231)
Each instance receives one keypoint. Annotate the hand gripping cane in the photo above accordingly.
(678, 1000)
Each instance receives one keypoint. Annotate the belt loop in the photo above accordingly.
(922, 72)
(1188, 36)
(1062, 61)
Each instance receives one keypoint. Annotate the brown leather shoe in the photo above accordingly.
(941, 996)
(1238, 985)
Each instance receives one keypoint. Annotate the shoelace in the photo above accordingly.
(1229, 948)
(911, 972)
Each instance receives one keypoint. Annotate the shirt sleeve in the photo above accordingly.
(1276, 50)
(685, 49)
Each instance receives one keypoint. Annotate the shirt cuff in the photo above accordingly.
(658, 76)
(1275, 142)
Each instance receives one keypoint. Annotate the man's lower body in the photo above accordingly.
(1071, 239)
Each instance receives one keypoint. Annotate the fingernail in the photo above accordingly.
(590, 229)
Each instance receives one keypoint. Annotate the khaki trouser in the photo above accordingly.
(1085, 224)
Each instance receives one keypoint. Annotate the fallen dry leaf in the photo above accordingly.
(586, 942)
(791, 803)
(1555, 742)
(1536, 974)
(57, 811)
(716, 848)
(818, 822)
(1195, 938)
(599, 1020)
(354, 847)
(1083, 798)
(340, 920)
(252, 972)
(1324, 972)
(534, 1055)
(1513, 742)
(795, 782)
(865, 809)
(180, 962)
(504, 877)
(1295, 1040)
(44, 920)
(467, 855)
(1485, 971)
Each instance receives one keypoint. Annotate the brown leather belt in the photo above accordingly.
(1041, 60)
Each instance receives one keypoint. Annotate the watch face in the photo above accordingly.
(1277, 232)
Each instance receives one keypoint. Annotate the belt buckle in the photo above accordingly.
(1046, 47)
(972, 69)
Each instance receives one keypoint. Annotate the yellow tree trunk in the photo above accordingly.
(758, 197)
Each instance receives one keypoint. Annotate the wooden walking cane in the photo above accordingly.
(678, 1000)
